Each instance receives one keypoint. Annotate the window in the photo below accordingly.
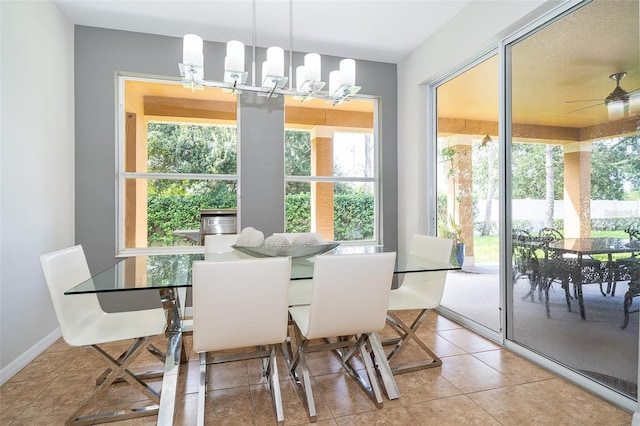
(331, 170)
(177, 156)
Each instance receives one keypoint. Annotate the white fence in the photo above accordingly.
(533, 210)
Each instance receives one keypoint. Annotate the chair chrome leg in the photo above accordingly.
(373, 381)
(380, 359)
(118, 369)
(274, 385)
(302, 381)
(407, 332)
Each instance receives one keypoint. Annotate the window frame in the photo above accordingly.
(122, 175)
(376, 179)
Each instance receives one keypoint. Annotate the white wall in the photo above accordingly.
(477, 27)
(36, 169)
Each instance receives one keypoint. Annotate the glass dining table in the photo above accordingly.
(170, 275)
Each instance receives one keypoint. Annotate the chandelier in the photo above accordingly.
(308, 76)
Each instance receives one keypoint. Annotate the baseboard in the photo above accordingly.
(23, 360)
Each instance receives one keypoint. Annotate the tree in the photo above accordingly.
(297, 159)
(615, 168)
(528, 169)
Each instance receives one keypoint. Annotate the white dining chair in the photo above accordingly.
(349, 299)
(239, 304)
(219, 243)
(420, 291)
(84, 323)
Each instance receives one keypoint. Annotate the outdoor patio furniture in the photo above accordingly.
(634, 291)
(554, 266)
(525, 261)
(618, 270)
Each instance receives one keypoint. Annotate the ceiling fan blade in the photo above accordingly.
(580, 109)
(585, 100)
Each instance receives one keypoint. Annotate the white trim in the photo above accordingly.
(29, 355)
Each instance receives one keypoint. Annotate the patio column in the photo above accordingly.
(322, 192)
(135, 158)
(577, 190)
(460, 200)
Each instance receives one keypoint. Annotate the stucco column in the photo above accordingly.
(577, 190)
(322, 211)
(460, 187)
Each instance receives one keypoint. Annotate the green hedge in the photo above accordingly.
(354, 215)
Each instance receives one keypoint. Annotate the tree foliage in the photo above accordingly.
(615, 164)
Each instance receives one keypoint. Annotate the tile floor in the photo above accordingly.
(479, 383)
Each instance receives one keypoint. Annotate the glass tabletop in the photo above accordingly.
(174, 270)
(602, 245)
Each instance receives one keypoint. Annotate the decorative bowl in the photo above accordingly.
(293, 251)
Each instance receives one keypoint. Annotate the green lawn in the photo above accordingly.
(486, 248)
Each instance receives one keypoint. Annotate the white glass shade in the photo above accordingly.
(335, 81)
(275, 58)
(312, 67)
(348, 72)
(634, 104)
(192, 50)
(300, 77)
(615, 110)
(235, 56)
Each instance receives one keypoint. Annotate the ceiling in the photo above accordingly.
(382, 30)
(560, 75)
(569, 60)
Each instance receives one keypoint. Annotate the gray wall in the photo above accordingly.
(100, 53)
(261, 132)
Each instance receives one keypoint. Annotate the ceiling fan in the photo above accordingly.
(619, 102)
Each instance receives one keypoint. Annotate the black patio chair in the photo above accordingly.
(620, 268)
(525, 262)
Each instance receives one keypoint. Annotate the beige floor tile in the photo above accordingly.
(518, 406)
(479, 383)
(397, 416)
(468, 340)
(227, 375)
(469, 374)
(229, 407)
(342, 395)
(517, 369)
(424, 385)
(452, 411)
(582, 405)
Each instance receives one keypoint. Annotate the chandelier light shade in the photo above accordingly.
(235, 56)
(312, 67)
(234, 73)
(192, 53)
(308, 76)
(348, 72)
(192, 66)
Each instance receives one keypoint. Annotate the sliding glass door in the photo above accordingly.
(467, 191)
(575, 178)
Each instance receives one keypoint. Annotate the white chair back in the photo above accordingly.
(430, 285)
(240, 303)
(219, 243)
(291, 235)
(64, 269)
(350, 294)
